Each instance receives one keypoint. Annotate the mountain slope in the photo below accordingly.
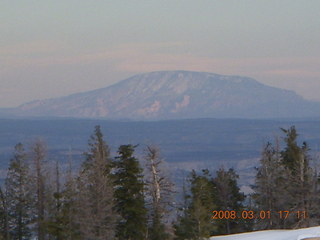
(174, 95)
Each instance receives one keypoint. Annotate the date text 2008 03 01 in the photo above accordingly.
(257, 215)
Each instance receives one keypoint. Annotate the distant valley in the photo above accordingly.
(174, 95)
(185, 144)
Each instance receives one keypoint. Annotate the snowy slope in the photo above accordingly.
(298, 234)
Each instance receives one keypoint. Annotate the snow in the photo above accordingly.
(298, 234)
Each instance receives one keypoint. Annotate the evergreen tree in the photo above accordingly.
(38, 155)
(64, 220)
(69, 208)
(129, 196)
(202, 204)
(95, 200)
(227, 197)
(4, 217)
(270, 185)
(300, 174)
(159, 189)
(196, 222)
(291, 155)
(58, 217)
(287, 174)
(183, 223)
(19, 195)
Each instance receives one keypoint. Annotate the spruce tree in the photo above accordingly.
(39, 173)
(96, 216)
(227, 197)
(287, 174)
(70, 209)
(202, 204)
(302, 190)
(58, 219)
(291, 154)
(183, 223)
(19, 195)
(270, 186)
(4, 217)
(129, 195)
(64, 219)
(196, 221)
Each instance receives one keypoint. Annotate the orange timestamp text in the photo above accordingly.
(257, 215)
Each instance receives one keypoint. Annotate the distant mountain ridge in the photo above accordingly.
(176, 95)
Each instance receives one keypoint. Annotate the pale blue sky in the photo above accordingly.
(55, 48)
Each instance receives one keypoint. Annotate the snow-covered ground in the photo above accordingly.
(298, 234)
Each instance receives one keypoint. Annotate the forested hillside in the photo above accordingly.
(130, 197)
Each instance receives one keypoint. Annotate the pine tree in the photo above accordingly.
(129, 195)
(19, 195)
(95, 199)
(159, 189)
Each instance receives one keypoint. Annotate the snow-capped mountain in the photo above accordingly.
(176, 95)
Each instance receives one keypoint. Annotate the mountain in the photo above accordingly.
(176, 95)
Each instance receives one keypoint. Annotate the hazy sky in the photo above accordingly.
(56, 48)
